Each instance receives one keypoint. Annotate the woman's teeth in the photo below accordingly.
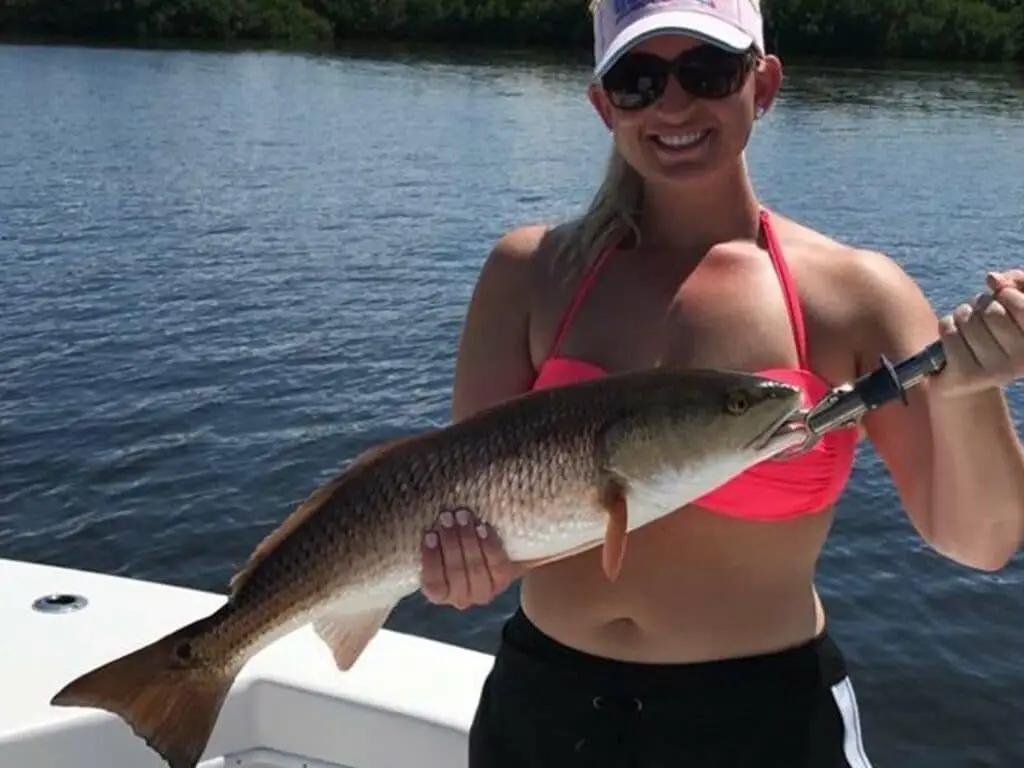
(679, 140)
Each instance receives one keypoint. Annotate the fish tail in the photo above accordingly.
(168, 698)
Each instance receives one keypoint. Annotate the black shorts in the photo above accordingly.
(545, 705)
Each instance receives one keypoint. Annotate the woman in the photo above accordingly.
(710, 649)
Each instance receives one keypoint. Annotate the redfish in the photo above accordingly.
(556, 472)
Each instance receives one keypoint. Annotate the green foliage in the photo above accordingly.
(981, 30)
(163, 19)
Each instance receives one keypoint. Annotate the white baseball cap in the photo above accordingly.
(735, 25)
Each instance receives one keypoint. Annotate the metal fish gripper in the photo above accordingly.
(846, 404)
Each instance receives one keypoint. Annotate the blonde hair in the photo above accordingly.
(613, 214)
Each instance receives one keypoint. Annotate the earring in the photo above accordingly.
(759, 111)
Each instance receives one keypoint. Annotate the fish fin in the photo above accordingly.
(313, 504)
(613, 499)
(168, 699)
(348, 634)
(381, 448)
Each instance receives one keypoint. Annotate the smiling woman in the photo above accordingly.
(710, 648)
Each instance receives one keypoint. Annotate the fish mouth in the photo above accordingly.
(791, 420)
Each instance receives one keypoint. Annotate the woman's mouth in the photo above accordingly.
(678, 141)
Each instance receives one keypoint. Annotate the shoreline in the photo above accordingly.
(936, 31)
(462, 52)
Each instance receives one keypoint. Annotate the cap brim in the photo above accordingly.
(694, 23)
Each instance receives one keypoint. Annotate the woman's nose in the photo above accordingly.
(674, 99)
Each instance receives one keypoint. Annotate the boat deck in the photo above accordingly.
(408, 701)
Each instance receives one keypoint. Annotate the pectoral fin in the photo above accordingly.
(613, 499)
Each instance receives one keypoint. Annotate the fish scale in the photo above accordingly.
(555, 472)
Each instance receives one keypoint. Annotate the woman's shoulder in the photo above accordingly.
(538, 243)
(795, 235)
(825, 264)
(533, 256)
(852, 295)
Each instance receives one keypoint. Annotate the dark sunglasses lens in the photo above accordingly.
(707, 72)
(712, 73)
(636, 81)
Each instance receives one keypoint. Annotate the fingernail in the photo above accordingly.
(430, 540)
(481, 531)
(463, 516)
(447, 520)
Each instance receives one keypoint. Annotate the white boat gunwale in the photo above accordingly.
(408, 701)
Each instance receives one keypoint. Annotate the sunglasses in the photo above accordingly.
(639, 79)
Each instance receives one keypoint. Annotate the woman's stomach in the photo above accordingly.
(693, 587)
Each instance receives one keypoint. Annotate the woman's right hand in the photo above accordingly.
(464, 562)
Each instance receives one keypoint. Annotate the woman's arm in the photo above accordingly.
(463, 562)
(953, 453)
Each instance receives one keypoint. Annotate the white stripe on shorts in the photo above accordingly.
(853, 743)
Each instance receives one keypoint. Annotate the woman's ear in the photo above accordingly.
(767, 82)
(599, 100)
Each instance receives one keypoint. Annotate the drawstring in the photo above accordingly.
(612, 732)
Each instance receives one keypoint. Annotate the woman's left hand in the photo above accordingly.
(984, 340)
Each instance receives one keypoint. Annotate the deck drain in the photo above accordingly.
(59, 603)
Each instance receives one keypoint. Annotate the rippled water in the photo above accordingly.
(222, 275)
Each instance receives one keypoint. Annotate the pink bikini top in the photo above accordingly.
(776, 489)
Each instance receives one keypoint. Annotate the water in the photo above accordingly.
(225, 274)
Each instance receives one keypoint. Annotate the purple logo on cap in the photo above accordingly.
(624, 8)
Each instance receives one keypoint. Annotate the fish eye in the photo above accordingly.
(737, 402)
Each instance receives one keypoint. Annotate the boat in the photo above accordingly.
(408, 701)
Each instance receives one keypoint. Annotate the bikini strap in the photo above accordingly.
(586, 283)
(789, 291)
(775, 252)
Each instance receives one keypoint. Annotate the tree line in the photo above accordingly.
(966, 30)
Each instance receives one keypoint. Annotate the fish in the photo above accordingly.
(556, 472)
